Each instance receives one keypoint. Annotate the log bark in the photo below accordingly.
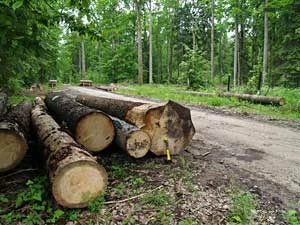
(257, 98)
(75, 176)
(131, 139)
(169, 124)
(3, 101)
(14, 131)
(91, 128)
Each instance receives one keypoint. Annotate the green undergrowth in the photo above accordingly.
(291, 110)
(16, 99)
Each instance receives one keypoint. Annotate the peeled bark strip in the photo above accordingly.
(131, 139)
(14, 131)
(91, 128)
(3, 101)
(75, 175)
(257, 98)
(169, 125)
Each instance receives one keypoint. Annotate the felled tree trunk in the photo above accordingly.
(131, 139)
(91, 128)
(3, 101)
(75, 176)
(169, 124)
(257, 98)
(14, 131)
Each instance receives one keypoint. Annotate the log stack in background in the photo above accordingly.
(169, 124)
(14, 132)
(91, 128)
(75, 176)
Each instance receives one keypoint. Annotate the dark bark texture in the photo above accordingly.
(113, 107)
(3, 101)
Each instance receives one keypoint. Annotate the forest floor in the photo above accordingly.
(231, 154)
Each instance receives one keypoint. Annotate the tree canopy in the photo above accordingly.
(99, 40)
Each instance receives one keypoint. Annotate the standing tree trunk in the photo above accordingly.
(212, 59)
(138, 4)
(14, 132)
(150, 44)
(131, 139)
(236, 49)
(75, 176)
(168, 124)
(3, 101)
(83, 60)
(91, 128)
(266, 44)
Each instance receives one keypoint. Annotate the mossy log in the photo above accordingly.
(91, 128)
(131, 139)
(14, 132)
(168, 124)
(75, 175)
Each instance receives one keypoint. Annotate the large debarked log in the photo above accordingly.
(91, 128)
(131, 139)
(256, 98)
(169, 124)
(3, 101)
(14, 131)
(75, 176)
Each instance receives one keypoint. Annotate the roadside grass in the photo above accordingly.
(243, 208)
(291, 110)
(16, 99)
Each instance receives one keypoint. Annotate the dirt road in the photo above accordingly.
(270, 151)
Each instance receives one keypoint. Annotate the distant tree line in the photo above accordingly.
(196, 43)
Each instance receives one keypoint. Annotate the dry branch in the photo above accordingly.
(75, 175)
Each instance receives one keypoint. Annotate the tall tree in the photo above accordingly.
(212, 57)
(82, 60)
(266, 44)
(138, 5)
(150, 43)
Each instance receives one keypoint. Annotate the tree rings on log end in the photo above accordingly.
(78, 183)
(138, 144)
(13, 147)
(95, 131)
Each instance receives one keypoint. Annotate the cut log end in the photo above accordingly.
(95, 131)
(12, 149)
(79, 183)
(138, 144)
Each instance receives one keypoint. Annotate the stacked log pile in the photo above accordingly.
(169, 124)
(75, 175)
(87, 126)
(14, 132)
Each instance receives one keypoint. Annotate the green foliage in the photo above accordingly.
(242, 209)
(188, 222)
(117, 171)
(3, 198)
(137, 181)
(157, 199)
(72, 215)
(293, 217)
(96, 204)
